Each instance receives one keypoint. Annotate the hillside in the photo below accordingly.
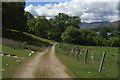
(85, 25)
(19, 44)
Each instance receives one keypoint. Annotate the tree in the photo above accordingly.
(40, 29)
(42, 26)
(103, 32)
(115, 33)
(28, 15)
(62, 16)
(55, 30)
(31, 25)
(60, 23)
(13, 15)
(73, 21)
(39, 26)
(71, 35)
(60, 20)
(99, 41)
(87, 36)
(114, 41)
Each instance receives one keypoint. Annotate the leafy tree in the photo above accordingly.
(114, 41)
(103, 32)
(55, 30)
(67, 20)
(70, 35)
(60, 20)
(54, 33)
(42, 26)
(115, 33)
(31, 25)
(60, 23)
(13, 15)
(28, 15)
(62, 16)
(39, 26)
(73, 21)
(40, 29)
(88, 37)
(99, 41)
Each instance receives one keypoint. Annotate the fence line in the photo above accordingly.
(78, 53)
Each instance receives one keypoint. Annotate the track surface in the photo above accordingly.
(44, 63)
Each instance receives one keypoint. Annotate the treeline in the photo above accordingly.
(52, 28)
(60, 28)
(102, 37)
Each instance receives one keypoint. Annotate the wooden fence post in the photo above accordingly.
(85, 57)
(75, 54)
(92, 57)
(78, 54)
(71, 52)
(102, 61)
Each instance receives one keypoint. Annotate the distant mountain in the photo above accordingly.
(85, 25)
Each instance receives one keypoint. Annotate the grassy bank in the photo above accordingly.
(90, 70)
(20, 44)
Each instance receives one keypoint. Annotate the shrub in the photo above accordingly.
(114, 41)
(71, 35)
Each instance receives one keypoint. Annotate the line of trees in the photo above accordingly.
(52, 28)
(90, 37)
(60, 28)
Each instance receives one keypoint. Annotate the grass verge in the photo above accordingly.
(90, 70)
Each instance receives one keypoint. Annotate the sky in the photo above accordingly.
(87, 10)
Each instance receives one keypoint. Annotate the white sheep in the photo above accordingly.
(7, 64)
(30, 54)
(32, 51)
(18, 61)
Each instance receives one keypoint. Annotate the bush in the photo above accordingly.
(114, 41)
(88, 37)
(99, 41)
(71, 35)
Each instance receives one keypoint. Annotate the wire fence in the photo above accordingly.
(101, 60)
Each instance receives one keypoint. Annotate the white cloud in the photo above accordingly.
(72, 0)
(87, 11)
(96, 0)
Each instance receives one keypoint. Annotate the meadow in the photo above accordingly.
(19, 44)
(78, 69)
(23, 32)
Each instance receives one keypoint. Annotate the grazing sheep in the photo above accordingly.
(14, 56)
(18, 61)
(32, 51)
(89, 72)
(8, 55)
(30, 54)
(1, 54)
(7, 64)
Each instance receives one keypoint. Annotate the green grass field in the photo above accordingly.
(20, 44)
(78, 69)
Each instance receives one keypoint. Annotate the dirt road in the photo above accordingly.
(43, 65)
